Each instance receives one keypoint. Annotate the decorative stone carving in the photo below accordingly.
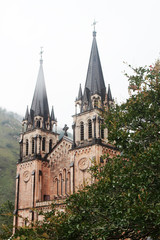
(26, 176)
(83, 164)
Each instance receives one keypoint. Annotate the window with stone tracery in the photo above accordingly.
(81, 131)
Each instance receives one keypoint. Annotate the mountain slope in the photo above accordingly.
(10, 128)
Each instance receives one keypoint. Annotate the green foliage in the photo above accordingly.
(10, 127)
(124, 200)
(6, 218)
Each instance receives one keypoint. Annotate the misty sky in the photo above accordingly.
(127, 31)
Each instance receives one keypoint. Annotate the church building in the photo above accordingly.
(49, 169)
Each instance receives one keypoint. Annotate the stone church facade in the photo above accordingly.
(49, 169)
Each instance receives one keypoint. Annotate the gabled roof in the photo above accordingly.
(40, 101)
(94, 80)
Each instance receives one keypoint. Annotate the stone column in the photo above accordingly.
(40, 186)
(75, 109)
(94, 121)
(74, 143)
(35, 139)
(99, 127)
(33, 194)
(15, 219)
(71, 183)
(21, 150)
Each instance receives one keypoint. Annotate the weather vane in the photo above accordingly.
(94, 24)
(41, 52)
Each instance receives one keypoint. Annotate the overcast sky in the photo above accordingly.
(127, 31)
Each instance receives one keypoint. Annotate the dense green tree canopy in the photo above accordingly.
(6, 220)
(124, 201)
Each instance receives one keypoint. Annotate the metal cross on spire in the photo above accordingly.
(94, 30)
(94, 24)
(41, 52)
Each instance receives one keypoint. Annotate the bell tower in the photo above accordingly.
(90, 139)
(90, 105)
(39, 135)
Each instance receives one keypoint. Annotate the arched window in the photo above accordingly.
(96, 103)
(89, 128)
(50, 145)
(32, 145)
(27, 147)
(102, 129)
(57, 183)
(61, 184)
(65, 181)
(38, 123)
(43, 144)
(82, 131)
(102, 132)
(68, 183)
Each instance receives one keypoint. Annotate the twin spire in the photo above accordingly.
(94, 81)
(39, 106)
(94, 86)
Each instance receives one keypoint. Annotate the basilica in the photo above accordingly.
(49, 169)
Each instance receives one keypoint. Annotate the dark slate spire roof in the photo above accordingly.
(80, 93)
(40, 101)
(38, 110)
(94, 81)
(27, 114)
(109, 95)
(52, 115)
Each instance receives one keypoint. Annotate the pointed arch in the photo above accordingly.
(60, 184)
(68, 182)
(65, 181)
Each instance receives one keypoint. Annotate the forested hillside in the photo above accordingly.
(10, 127)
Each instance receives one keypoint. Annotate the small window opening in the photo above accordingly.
(32, 145)
(96, 103)
(50, 145)
(27, 146)
(82, 131)
(43, 144)
(90, 129)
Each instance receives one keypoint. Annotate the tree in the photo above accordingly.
(124, 201)
(6, 220)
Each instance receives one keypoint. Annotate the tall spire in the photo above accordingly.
(94, 81)
(40, 101)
